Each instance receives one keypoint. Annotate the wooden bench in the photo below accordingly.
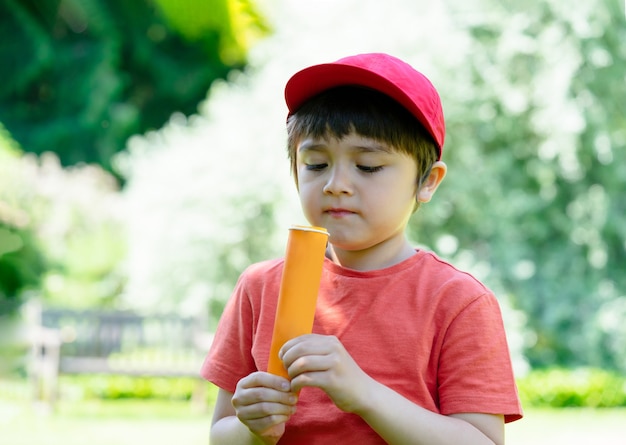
(113, 342)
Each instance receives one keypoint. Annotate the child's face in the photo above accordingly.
(363, 192)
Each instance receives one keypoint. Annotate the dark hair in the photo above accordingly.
(339, 111)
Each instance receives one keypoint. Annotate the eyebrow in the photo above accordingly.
(374, 147)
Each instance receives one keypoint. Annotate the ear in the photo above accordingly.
(429, 186)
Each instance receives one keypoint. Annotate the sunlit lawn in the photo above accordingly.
(572, 426)
(127, 422)
(132, 422)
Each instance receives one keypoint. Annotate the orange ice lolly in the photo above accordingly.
(299, 286)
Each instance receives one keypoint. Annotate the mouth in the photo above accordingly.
(339, 212)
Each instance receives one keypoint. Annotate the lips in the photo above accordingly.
(339, 212)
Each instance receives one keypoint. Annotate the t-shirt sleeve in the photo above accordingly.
(230, 358)
(475, 371)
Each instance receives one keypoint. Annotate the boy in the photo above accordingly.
(405, 348)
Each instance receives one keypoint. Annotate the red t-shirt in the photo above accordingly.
(421, 327)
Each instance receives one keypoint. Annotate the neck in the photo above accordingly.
(376, 257)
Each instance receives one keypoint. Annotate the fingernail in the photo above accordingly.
(285, 386)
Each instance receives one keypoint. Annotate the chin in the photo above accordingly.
(348, 244)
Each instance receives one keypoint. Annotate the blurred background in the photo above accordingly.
(143, 167)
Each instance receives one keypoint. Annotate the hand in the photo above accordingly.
(264, 402)
(322, 361)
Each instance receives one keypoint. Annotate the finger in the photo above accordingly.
(273, 426)
(259, 395)
(307, 345)
(260, 425)
(310, 363)
(261, 410)
(264, 380)
(260, 415)
(316, 379)
(306, 338)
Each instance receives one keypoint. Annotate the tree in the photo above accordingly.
(80, 77)
(61, 232)
(21, 259)
(544, 143)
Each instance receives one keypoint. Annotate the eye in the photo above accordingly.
(368, 169)
(316, 167)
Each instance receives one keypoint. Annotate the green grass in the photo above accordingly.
(572, 426)
(132, 422)
(123, 422)
(79, 421)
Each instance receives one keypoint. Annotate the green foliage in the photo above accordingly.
(20, 265)
(21, 259)
(238, 23)
(80, 227)
(80, 77)
(201, 205)
(536, 154)
(109, 387)
(585, 387)
(60, 232)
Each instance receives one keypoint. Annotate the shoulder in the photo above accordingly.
(259, 275)
(443, 272)
(450, 283)
(263, 268)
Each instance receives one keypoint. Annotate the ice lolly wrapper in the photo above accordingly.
(302, 272)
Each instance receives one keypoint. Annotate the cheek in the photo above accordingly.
(397, 198)
(307, 194)
(310, 205)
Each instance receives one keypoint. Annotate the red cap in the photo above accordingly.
(380, 72)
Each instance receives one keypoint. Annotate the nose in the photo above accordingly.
(338, 181)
